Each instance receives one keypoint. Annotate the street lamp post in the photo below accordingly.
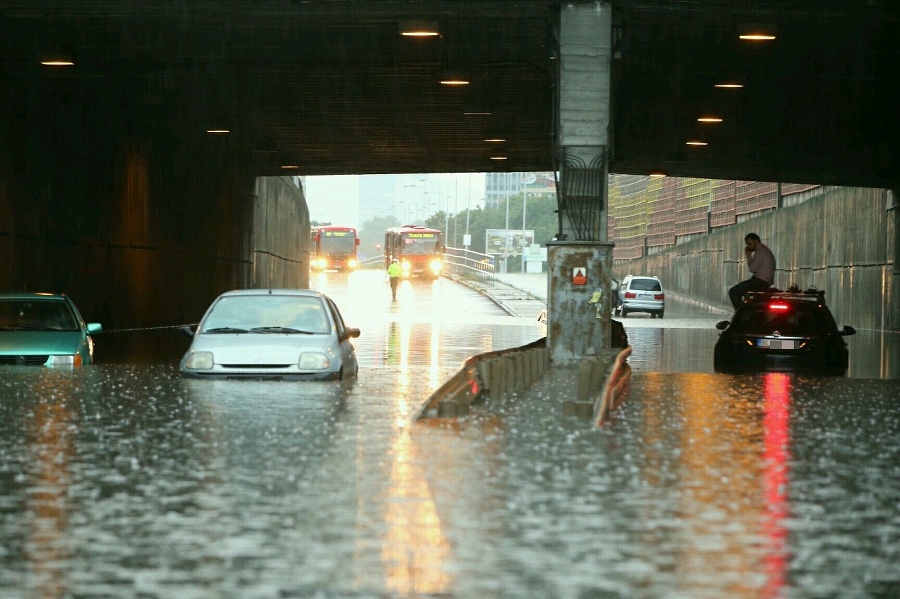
(446, 220)
(524, 204)
(506, 237)
(468, 206)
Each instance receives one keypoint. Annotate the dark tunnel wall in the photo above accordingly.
(140, 225)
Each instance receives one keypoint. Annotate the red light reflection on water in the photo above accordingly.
(776, 454)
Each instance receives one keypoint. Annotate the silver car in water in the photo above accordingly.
(294, 334)
(641, 294)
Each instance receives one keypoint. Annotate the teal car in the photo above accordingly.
(44, 329)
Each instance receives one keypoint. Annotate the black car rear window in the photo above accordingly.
(644, 285)
(786, 318)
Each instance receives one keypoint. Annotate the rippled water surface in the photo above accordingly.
(124, 480)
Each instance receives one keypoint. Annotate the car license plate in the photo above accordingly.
(776, 343)
(645, 296)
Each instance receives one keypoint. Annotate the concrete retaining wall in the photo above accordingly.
(842, 241)
(140, 229)
(280, 234)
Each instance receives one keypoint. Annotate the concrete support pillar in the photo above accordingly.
(580, 261)
(585, 40)
(579, 299)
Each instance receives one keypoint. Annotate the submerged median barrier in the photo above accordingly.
(599, 381)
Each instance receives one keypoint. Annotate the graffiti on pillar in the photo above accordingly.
(597, 300)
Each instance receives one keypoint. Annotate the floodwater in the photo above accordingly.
(124, 480)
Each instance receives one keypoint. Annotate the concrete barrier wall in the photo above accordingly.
(280, 234)
(842, 241)
(140, 229)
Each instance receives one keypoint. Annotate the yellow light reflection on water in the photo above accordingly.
(435, 357)
(722, 472)
(415, 547)
(52, 444)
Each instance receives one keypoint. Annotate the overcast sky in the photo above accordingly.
(336, 198)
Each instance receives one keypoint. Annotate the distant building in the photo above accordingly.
(499, 186)
(377, 196)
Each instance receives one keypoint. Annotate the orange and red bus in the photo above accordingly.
(420, 250)
(333, 248)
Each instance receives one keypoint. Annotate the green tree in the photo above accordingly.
(540, 216)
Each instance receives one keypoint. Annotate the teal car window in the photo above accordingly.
(50, 315)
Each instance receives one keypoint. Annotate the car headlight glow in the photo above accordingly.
(352, 263)
(406, 266)
(199, 360)
(313, 361)
(321, 263)
(436, 266)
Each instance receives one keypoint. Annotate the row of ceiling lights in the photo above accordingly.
(427, 29)
(58, 60)
(413, 29)
(750, 33)
(451, 78)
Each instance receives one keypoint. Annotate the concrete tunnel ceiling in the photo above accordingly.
(333, 88)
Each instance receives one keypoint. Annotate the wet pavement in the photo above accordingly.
(124, 480)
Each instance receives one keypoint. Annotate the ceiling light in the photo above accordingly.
(729, 85)
(709, 119)
(419, 29)
(499, 157)
(218, 131)
(757, 37)
(495, 140)
(56, 59)
(657, 174)
(290, 167)
(454, 78)
(476, 109)
(756, 32)
(695, 142)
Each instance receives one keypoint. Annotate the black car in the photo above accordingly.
(782, 331)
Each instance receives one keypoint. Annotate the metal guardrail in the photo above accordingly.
(466, 264)
(372, 262)
(469, 264)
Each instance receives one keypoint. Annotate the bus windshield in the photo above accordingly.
(418, 244)
(334, 242)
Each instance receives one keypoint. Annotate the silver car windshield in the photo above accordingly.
(267, 314)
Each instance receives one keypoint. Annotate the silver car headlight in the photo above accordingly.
(352, 263)
(199, 360)
(436, 266)
(313, 361)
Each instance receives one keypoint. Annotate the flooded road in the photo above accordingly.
(124, 480)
